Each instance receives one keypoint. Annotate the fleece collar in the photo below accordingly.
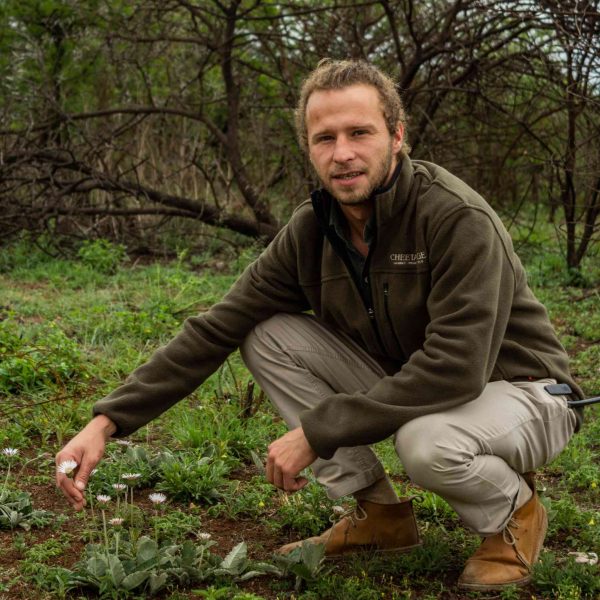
(388, 200)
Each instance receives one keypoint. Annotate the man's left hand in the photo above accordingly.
(287, 456)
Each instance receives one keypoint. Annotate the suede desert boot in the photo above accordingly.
(507, 558)
(373, 527)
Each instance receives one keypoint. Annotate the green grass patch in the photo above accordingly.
(72, 328)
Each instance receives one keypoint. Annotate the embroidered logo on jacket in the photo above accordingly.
(408, 258)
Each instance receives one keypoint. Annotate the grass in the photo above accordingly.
(70, 330)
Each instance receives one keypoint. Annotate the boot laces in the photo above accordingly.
(511, 539)
(353, 514)
(507, 534)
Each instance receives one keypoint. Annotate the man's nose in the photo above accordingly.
(343, 150)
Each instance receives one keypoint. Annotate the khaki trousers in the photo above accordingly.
(471, 455)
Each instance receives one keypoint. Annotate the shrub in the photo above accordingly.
(101, 255)
(38, 357)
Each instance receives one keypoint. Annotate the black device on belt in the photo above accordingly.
(564, 389)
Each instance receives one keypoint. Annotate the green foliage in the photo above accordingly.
(147, 567)
(22, 254)
(125, 459)
(585, 365)
(306, 562)
(37, 356)
(42, 552)
(340, 587)
(306, 512)
(567, 522)
(237, 565)
(211, 440)
(433, 508)
(578, 465)
(143, 566)
(16, 510)
(224, 593)
(193, 477)
(101, 255)
(53, 420)
(175, 525)
(248, 499)
(442, 550)
(564, 579)
(221, 429)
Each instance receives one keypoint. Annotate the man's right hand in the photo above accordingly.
(86, 449)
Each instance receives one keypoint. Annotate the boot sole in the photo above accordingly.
(492, 587)
(374, 550)
(482, 587)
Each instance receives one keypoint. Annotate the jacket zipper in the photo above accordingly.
(368, 307)
(371, 313)
(386, 294)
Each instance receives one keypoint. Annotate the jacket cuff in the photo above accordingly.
(315, 434)
(122, 430)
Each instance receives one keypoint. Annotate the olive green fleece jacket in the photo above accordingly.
(451, 311)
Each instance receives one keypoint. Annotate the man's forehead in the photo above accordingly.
(357, 91)
(364, 100)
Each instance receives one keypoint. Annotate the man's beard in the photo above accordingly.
(361, 197)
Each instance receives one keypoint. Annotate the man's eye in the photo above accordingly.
(359, 132)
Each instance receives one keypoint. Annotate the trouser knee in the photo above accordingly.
(263, 338)
(429, 455)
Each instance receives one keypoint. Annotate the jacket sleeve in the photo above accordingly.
(469, 304)
(267, 286)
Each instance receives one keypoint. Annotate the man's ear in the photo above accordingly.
(398, 138)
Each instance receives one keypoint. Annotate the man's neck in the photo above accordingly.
(357, 216)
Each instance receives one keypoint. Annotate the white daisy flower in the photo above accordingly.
(119, 487)
(103, 498)
(157, 498)
(10, 451)
(131, 476)
(123, 442)
(67, 466)
(116, 521)
(204, 536)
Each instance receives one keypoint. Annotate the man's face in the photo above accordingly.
(349, 144)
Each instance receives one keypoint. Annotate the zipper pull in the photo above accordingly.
(371, 313)
(386, 289)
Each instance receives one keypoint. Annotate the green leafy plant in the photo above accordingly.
(147, 567)
(237, 565)
(306, 563)
(222, 429)
(101, 255)
(307, 512)
(36, 357)
(143, 566)
(125, 459)
(192, 477)
(175, 525)
(434, 508)
(16, 510)
(565, 579)
(246, 499)
(578, 527)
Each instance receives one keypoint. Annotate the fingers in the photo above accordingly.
(88, 464)
(74, 496)
(293, 484)
(66, 484)
(286, 458)
(282, 478)
(85, 450)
